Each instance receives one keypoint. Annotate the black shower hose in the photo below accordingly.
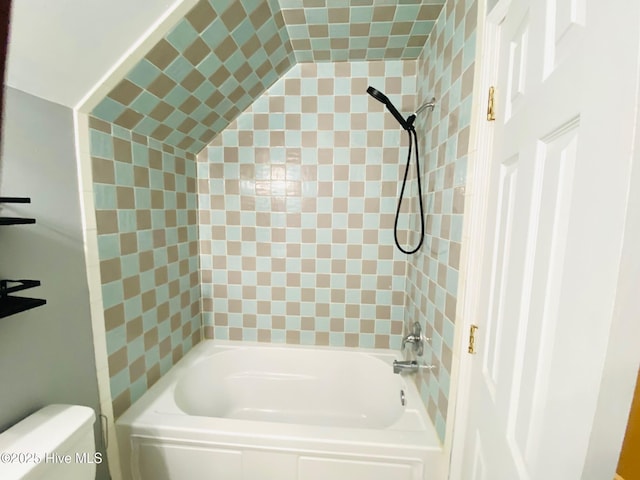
(412, 136)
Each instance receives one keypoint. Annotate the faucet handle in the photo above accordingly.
(416, 338)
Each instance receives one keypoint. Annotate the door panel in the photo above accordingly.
(541, 308)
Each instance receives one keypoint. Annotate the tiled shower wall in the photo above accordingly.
(445, 70)
(145, 200)
(297, 201)
(202, 74)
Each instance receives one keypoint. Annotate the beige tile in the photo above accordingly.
(338, 15)
(103, 171)
(161, 86)
(110, 270)
(226, 49)
(359, 29)
(385, 13)
(100, 125)
(125, 197)
(118, 361)
(125, 92)
(134, 329)
(162, 54)
(201, 16)
(193, 80)
(260, 15)
(106, 221)
(128, 119)
(197, 51)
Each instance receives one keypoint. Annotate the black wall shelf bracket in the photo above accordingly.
(10, 304)
(15, 220)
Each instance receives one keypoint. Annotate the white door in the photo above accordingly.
(553, 202)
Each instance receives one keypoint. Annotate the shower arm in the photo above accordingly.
(429, 104)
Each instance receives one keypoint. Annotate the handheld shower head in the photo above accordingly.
(382, 98)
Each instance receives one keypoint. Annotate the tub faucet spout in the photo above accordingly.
(405, 366)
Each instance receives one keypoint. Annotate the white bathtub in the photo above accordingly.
(235, 410)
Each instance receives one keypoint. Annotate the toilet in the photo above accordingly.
(54, 443)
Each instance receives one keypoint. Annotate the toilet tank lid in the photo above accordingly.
(48, 429)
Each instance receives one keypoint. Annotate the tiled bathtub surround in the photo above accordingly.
(145, 199)
(296, 207)
(445, 70)
(322, 30)
(206, 70)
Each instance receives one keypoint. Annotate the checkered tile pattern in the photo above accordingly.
(445, 71)
(202, 74)
(145, 200)
(296, 203)
(224, 54)
(326, 30)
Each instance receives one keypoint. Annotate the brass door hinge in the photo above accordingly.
(472, 339)
(491, 113)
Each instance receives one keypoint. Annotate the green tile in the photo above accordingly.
(243, 32)
(135, 348)
(316, 16)
(174, 138)
(104, 196)
(177, 96)
(108, 110)
(268, 30)
(101, 144)
(380, 29)
(112, 294)
(175, 119)
(108, 246)
(209, 65)
(406, 13)
(297, 32)
(412, 52)
(127, 221)
(359, 43)
(397, 41)
(145, 103)
(143, 73)
(337, 30)
(204, 91)
(124, 174)
(361, 14)
(215, 33)
(182, 35)
(235, 61)
(197, 131)
(146, 126)
(200, 113)
(119, 383)
(121, 132)
(143, 198)
(130, 267)
(221, 5)
(304, 56)
(179, 69)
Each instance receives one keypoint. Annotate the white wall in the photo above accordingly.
(59, 50)
(46, 353)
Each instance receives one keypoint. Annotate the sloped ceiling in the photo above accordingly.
(224, 54)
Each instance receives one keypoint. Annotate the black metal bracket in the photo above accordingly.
(5, 289)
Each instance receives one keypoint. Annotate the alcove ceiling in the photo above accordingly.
(220, 57)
